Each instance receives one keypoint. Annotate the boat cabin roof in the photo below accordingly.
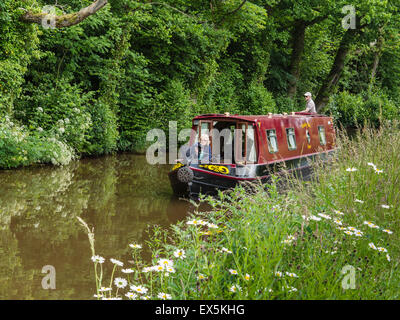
(255, 118)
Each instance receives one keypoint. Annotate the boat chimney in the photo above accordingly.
(269, 115)
(227, 114)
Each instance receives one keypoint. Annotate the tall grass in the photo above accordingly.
(333, 237)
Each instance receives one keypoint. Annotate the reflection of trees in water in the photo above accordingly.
(118, 195)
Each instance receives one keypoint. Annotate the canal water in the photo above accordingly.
(121, 196)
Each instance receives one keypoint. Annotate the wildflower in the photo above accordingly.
(139, 289)
(232, 271)
(98, 295)
(378, 171)
(338, 212)
(371, 225)
(384, 206)
(145, 297)
(387, 231)
(104, 289)
(235, 288)
(351, 169)
(372, 246)
(247, 277)
(292, 275)
(337, 221)
(40, 129)
(226, 250)
(388, 257)
(315, 218)
(170, 269)
(201, 277)
(131, 295)
(120, 282)
(292, 289)
(98, 259)
(165, 262)
(180, 254)
(40, 109)
(324, 216)
(359, 201)
(193, 222)
(117, 262)
(157, 268)
(372, 165)
(381, 249)
(358, 233)
(62, 130)
(164, 296)
(348, 232)
(135, 246)
(130, 270)
(212, 226)
(147, 269)
(279, 274)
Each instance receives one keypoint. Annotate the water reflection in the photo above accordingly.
(118, 195)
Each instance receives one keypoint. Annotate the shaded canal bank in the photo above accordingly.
(120, 196)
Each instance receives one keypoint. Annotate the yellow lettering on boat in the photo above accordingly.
(215, 168)
(177, 166)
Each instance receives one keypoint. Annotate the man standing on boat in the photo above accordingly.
(310, 105)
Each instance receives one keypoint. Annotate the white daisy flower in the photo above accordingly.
(388, 257)
(351, 169)
(130, 270)
(120, 283)
(247, 277)
(315, 218)
(135, 246)
(131, 295)
(378, 171)
(139, 289)
(157, 268)
(372, 165)
(117, 262)
(201, 277)
(324, 216)
(381, 249)
(292, 275)
(170, 269)
(232, 271)
(145, 297)
(179, 254)
(337, 221)
(359, 201)
(387, 231)
(212, 225)
(385, 206)
(164, 296)
(104, 289)
(235, 288)
(278, 274)
(98, 259)
(338, 212)
(226, 250)
(165, 262)
(372, 246)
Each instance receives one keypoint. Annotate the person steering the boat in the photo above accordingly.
(310, 105)
(200, 151)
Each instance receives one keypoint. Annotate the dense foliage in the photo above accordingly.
(99, 86)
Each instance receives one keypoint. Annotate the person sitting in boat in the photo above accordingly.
(310, 105)
(200, 151)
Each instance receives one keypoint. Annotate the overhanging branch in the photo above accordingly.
(66, 20)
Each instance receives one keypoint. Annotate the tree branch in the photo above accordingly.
(66, 20)
(232, 12)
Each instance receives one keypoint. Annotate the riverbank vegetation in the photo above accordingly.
(98, 86)
(334, 236)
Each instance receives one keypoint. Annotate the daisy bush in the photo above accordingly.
(295, 241)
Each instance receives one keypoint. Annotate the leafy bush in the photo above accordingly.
(20, 147)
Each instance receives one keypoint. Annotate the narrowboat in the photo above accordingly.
(246, 148)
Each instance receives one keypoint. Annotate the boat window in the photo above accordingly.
(308, 136)
(272, 141)
(251, 146)
(322, 138)
(291, 139)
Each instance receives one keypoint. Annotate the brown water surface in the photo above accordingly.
(120, 196)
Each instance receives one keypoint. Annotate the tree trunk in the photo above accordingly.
(66, 20)
(298, 36)
(336, 70)
(377, 56)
